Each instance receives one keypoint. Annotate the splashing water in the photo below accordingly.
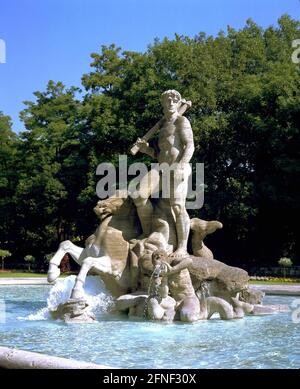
(96, 295)
(153, 288)
(205, 289)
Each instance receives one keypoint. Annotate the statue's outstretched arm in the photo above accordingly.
(184, 264)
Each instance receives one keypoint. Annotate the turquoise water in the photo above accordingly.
(253, 342)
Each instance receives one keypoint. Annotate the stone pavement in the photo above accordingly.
(279, 289)
(23, 281)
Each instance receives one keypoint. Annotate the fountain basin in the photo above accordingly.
(271, 341)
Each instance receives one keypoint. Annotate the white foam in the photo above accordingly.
(96, 295)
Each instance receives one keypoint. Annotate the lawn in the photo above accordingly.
(12, 274)
(275, 282)
(19, 274)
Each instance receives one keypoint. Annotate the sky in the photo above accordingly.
(53, 39)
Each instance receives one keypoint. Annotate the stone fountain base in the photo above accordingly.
(74, 311)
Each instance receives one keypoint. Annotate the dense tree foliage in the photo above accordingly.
(246, 114)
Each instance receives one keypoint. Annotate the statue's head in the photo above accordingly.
(158, 256)
(252, 295)
(170, 100)
(110, 206)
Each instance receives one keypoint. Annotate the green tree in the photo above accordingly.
(30, 259)
(3, 255)
(285, 262)
(245, 117)
(52, 168)
(48, 257)
(245, 93)
(8, 178)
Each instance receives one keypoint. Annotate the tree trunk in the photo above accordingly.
(2, 263)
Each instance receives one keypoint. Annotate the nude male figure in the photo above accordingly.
(176, 147)
(176, 276)
(160, 306)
